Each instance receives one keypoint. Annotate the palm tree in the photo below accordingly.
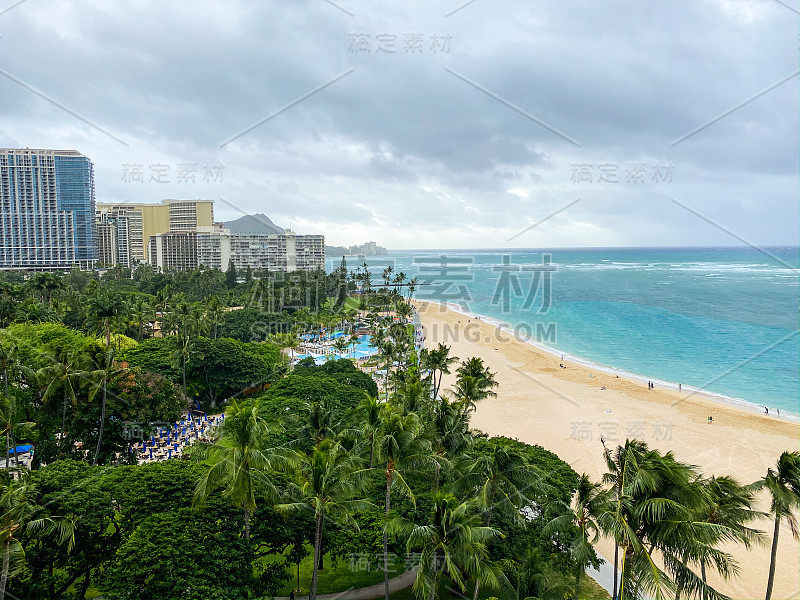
(45, 284)
(453, 543)
(475, 382)
(104, 308)
(318, 422)
(449, 432)
(141, 314)
(535, 576)
(412, 395)
(340, 344)
(327, 482)
(783, 484)
(438, 361)
(238, 460)
(728, 506)
(104, 369)
(371, 418)
(503, 480)
(17, 514)
(589, 502)
(654, 506)
(68, 366)
(621, 467)
(9, 360)
(214, 313)
(403, 451)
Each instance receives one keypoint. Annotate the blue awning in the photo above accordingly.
(21, 449)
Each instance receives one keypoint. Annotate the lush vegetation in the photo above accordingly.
(316, 471)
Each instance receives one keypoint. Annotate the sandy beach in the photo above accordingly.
(566, 410)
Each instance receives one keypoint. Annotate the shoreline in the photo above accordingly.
(718, 397)
(574, 411)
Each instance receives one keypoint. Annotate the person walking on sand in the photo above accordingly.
(679, 387)
(766, 410)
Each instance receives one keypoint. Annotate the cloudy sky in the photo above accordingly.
(426, 124)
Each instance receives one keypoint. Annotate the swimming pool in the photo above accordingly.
(361, 350)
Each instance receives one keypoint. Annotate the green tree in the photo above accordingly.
(438, 362)
(182, 555)
(503, 480)
(231, 276)
(328, 482)
(453, 543)
(589, 502)
(67, 368)
(17, 514)
(239, 462)
(474, 382)
(103, 310)
(403, 452)
(783, 484)
(104, 369)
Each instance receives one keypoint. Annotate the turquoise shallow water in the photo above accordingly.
(721, 319)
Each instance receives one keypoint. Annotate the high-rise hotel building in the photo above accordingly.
(143, 221)
(47, 210)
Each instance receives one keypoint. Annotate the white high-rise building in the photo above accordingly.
(216, 247)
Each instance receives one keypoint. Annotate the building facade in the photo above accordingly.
(148, 220)
(47, 210)
(113, 239)
(216, 247)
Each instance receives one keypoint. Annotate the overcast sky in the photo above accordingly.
(434, 128)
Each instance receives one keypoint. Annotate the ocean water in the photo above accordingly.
(724, 320)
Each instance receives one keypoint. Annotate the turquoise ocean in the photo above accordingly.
(724, 320)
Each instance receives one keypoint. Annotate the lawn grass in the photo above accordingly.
(591, 590)
(342, 576)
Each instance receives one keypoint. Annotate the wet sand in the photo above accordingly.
(565, 411)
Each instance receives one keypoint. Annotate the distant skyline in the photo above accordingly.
(430, 124)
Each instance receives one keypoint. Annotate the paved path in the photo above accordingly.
(396, 584)
(604, 575)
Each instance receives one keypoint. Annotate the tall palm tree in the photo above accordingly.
(449, 432)
(370, 413)
(403, 451)
(729, 506)
(412, 396)
(18, 513)
(340, 344)
(238, 461)
(783, 484)
(67, 368)
(654, 507)
(319, 422)
(453, 543)
(103, 310)
(475, 382)
(329, 483)
(504, 481)
(141, 314)
(104, 369)
(438, 361)
(589, 501)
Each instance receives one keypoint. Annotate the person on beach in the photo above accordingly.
(679, 387)
(766, 410)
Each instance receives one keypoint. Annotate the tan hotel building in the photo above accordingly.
(143, 221)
